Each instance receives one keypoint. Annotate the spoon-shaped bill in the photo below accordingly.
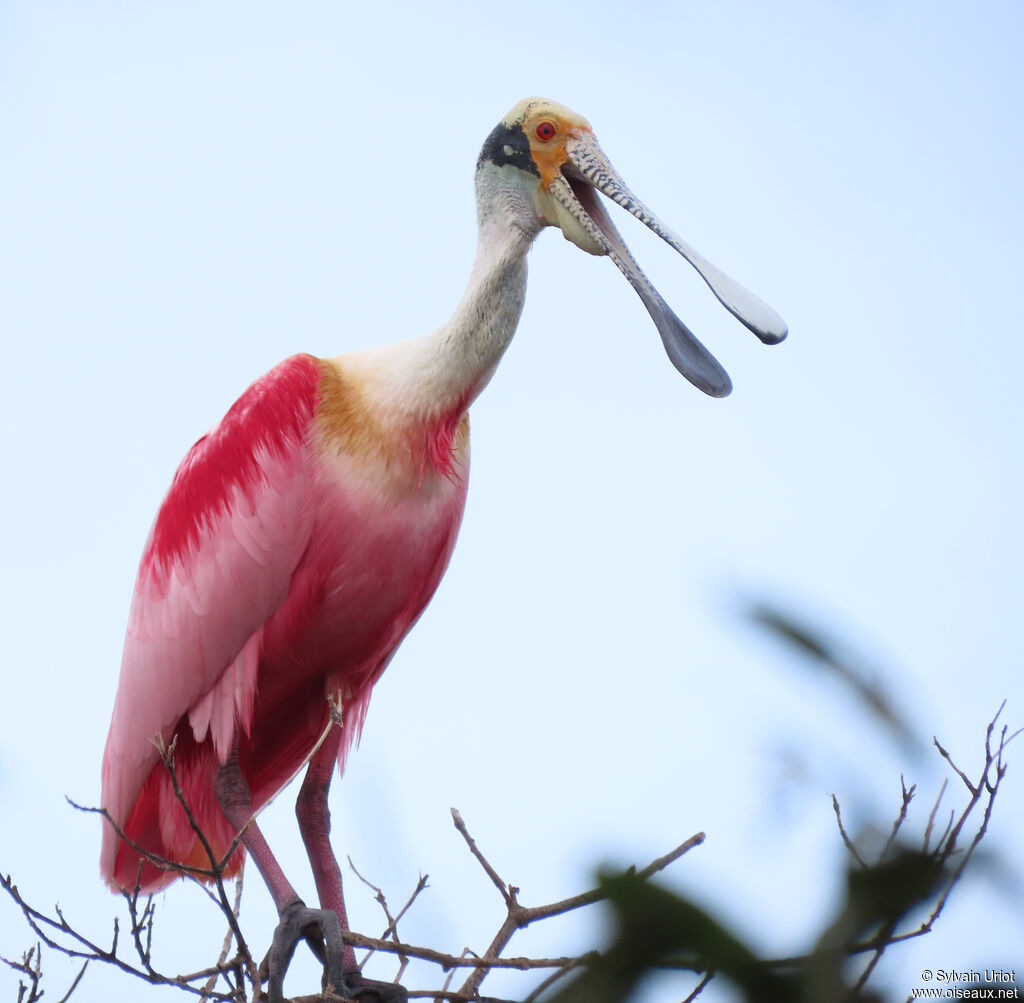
(590, 160)
(686, 353)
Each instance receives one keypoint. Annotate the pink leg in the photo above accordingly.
(319, 928)
(236, 802)
(314, 817)
(315, 825)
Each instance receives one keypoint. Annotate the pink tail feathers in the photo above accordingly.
(159, 826)
(158, 823)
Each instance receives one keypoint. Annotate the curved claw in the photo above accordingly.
(322, 931)
(359, 988)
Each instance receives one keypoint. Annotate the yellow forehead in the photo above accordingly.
(531, 111)
(548, 153)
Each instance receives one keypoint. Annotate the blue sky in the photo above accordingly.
(191, 192)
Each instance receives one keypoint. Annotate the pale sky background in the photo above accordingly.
(191, 192)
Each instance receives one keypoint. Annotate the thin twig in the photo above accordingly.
(391, 930)
(217, 867)
(86, 949)
(933, 813)
(708, 976)
(945, 849)
(503, 889)
(519, 916)
(554, 977)
(956, 769)
(908, 796)
(228, 938)
(74, 985)
(842, 832)
(58, 934)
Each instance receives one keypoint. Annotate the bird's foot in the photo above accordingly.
(371, 991)
(321, 929)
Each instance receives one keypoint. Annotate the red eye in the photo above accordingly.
(546, 131)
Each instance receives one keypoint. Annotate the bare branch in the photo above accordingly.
(141, 916)
(506, 892)
(241, 977)
(228, 937)
(74, 985)
(217, 867)
(956, 769)
(908, 796)
(391, 930)
(931, 817)
(842, 832)
(708, 976)
(944, 850)
(519, 916)
(31, 967)
(554, 977)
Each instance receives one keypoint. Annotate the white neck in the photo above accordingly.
(463, 353)
(444, 371)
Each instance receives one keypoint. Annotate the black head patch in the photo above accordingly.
(507, 144)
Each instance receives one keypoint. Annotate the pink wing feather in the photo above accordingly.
(218, 563)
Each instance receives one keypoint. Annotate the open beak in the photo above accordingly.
(589, 169)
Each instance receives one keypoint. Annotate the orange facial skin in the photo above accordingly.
(548, 152)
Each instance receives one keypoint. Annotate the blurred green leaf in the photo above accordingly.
(842, 660)
(655, 928)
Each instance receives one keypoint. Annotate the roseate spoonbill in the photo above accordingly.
(302, 538)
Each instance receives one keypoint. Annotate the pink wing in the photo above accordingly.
(218, 563)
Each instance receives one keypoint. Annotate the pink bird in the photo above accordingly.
(303, 537)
